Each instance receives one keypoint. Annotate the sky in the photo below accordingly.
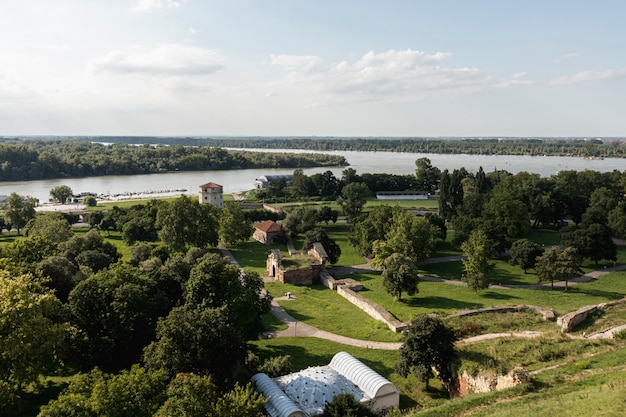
(313, 68)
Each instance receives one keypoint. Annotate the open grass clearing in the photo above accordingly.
(325, 309)
(445, 299)
(495, 322)
(252, 255)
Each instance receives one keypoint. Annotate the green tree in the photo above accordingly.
(185, 222)
(427, 175)
(32, 339)
(61, 193)
(215, 283)
(17, 212)
(90, 201)
(476, 266)
(427, 344)
(116, 311)
(345, 405)
(234, 227)
(372, 228)
(60, 275)
(400, 274)
(202, 341)
(412, 236)
(353, 198)
(52, 226)
(524, 253)
(133, 392)
(300, 220)
(569, 264)
(333, 250)
(547, 265)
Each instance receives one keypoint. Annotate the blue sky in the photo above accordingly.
(303, 68)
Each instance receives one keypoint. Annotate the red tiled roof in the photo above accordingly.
(210, 185)
(268, 226)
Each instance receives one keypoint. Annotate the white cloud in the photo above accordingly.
(296, 62)
(584, 76)
(158, 4)
(388, 76)
(165, 59)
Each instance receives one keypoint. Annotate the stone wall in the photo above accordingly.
(302, 276)
(548, 315)
(488, 381)
(570, 320)
(376, 311)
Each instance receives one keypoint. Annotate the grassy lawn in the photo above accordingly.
(444, 299)
(349, 255)
(252, 254)
(325, 309)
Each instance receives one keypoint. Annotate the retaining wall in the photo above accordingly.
(376, 311)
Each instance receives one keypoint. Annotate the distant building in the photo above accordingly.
(266, 231)
(263, 181)
(211, 193)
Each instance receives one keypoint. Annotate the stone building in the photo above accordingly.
(211, 193)
(266, 231)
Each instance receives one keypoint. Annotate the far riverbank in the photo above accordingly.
(236, 181)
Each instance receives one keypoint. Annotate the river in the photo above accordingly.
(234, 181)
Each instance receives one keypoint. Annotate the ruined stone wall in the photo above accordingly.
(488, 381)
(569, 321)
(547, 314)
(375, 311)
(302, 276)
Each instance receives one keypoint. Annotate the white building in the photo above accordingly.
(306, 393)
(211, 193)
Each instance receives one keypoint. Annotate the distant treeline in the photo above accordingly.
(553, 147)
(22, 160)
(576, 147)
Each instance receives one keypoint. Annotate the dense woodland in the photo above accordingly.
(576, 147)
(170, 325)
(35, 159)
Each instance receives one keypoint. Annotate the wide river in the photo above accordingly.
(234, 181)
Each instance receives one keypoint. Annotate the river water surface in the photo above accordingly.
(235, 181)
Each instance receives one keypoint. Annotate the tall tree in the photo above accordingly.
(215, 283)
(427, 175)
(116, 311)
(17, 211)
(524, 253)
(400, 274)
(547, 265)
(476, 266)
(185, 222)
(372, 228)
(32, 340)
(202, 341)
(427, 344)
(353, 198)
(52, 226)
(234, 227)
(61, 193)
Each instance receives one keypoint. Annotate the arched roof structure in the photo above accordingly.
(307, 392)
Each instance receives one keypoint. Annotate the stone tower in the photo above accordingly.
(211, 193)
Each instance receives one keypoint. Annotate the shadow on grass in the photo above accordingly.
(438, 303)
(497, 295)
